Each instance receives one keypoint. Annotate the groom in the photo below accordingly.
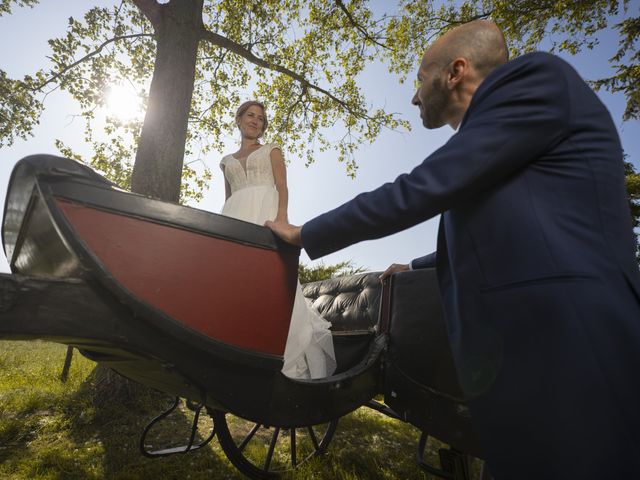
(535, 258)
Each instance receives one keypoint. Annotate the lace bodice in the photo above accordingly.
(259, 171)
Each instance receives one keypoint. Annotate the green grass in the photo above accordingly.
(54, 430)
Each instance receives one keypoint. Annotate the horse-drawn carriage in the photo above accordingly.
(197, 305)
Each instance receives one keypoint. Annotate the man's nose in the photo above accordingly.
(415, 100)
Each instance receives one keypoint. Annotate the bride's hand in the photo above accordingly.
(287, 232)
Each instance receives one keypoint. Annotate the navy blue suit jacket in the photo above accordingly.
(536, 263)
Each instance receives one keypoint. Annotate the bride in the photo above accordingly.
(256, 191)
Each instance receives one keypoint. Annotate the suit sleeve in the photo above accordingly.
(515, 117)
(426, 261)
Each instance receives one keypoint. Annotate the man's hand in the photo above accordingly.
(394, 268)
(287, 232)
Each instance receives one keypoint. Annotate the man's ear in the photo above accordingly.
(457, 70)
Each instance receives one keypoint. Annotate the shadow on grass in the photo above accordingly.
(63, 432)
(389, 446)
(118, 428)
(69, 437)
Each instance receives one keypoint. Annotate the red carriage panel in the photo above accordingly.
(235, 293)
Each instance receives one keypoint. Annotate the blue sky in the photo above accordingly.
(312, 190)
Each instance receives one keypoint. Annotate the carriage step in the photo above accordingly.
(170, 451)
(454, 465)
(189, 447)
(454, 462)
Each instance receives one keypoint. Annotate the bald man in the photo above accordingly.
(535, 258)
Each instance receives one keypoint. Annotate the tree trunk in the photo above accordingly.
(157, 170)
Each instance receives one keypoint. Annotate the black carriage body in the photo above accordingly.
(419, 379)
(77, 297)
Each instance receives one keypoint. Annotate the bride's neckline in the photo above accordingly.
(241, 159)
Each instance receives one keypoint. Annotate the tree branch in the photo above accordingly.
(240, 50)
(453, 21)
(151, 9)
(359, 27)
(291, 109)
(213, 76)
(86, 57)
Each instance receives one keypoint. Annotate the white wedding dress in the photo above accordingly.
(309, 351)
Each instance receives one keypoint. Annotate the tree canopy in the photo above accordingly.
(321, 271)
(193, 61)
(633, 190)
(570, 26)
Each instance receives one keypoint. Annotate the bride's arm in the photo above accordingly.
(227, 187)
(280, 177)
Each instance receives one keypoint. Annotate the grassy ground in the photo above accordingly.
(53, 430)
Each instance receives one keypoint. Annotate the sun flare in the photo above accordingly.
(123, 103)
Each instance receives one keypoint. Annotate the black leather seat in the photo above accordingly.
(352, 305)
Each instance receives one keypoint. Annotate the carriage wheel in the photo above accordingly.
(263, 452)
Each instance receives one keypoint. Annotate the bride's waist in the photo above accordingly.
(255, 186)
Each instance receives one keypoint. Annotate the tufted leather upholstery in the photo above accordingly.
(350, 303)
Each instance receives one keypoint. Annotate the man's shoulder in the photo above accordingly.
(533, 60)
(531, 67)
(529, 76)
(542, 58)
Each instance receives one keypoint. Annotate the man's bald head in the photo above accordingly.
(481, 42)
(452, 69)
